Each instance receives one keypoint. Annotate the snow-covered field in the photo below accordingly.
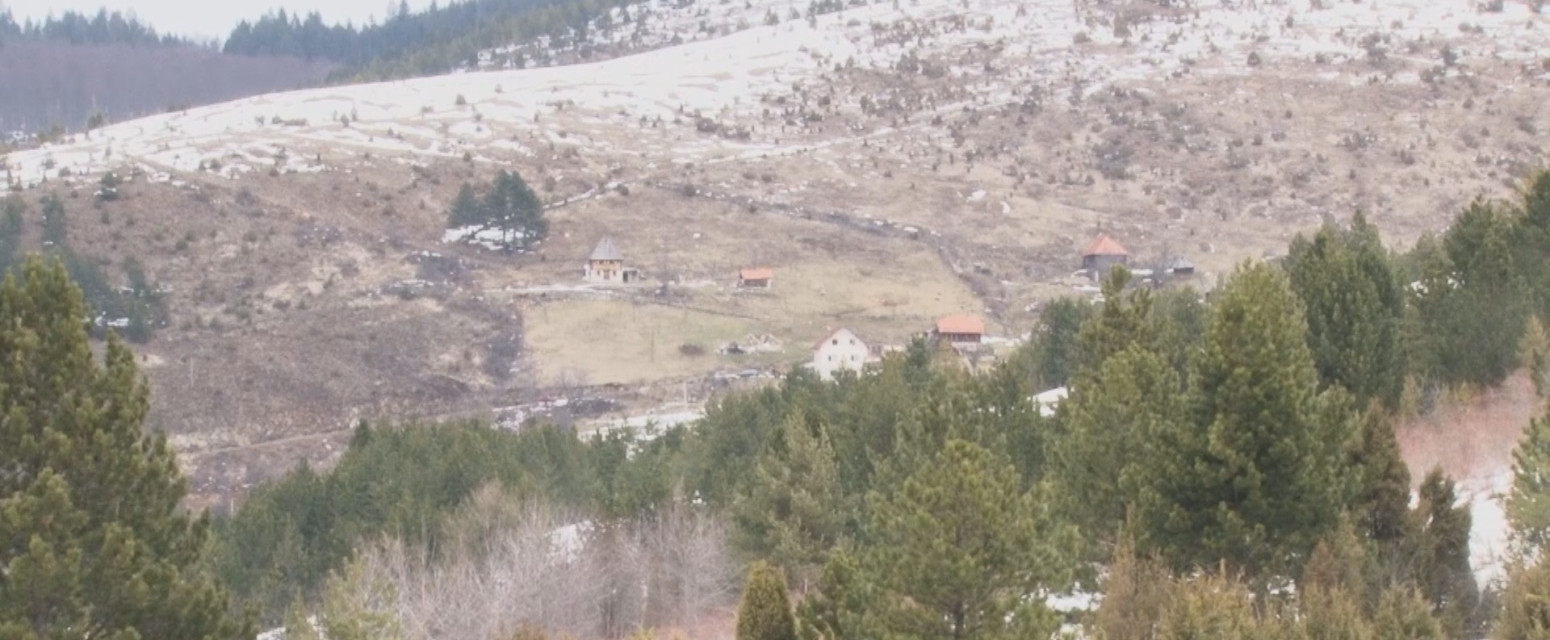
(498, 115)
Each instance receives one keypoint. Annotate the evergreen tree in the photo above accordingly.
(792, 512)
(765, 613)
(1525, 612)
(1382, 501)
(1354, 308)
(355, 606)
(1403, 614)
(1108, 420)
(513, 208)
(835, 611)
(1472, 301)
(1256, 476)
(1528, 504)
(1054, 349)
(957, 552)
(1122, 322)
(466, 210)
(1210, 607)
(1442, 555)
(1532, 252)
(92, 542)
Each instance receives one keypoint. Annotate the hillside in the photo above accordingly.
(891, 163)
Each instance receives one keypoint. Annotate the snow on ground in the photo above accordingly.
(1488, 534)
(500, 114)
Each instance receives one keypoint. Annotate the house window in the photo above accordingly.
(835, 342)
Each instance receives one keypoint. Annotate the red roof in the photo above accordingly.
(961, 324)
(1105, 246)
(756, 274)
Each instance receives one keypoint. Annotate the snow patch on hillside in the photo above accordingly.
(498, 115)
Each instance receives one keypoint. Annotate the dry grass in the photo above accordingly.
(1471, 437)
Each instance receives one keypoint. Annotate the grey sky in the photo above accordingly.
(206, 19)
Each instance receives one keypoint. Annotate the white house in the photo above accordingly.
(841, 351)
(1049, 400)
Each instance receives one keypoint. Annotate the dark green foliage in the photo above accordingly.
(1109, 421)
(1382, 500)
(466, 209)
(1054, 351)
(1255, 476)
(1354, 307)
(791, 511)
(1178, 322)
(12, 223)
(957, 549)
(1124, 320)
(79, 28)
(765, 613)
(409, 44)
(92, 540)
(1441, 555)
(1472, 302)
(508, 206)
(1532, 246)
(835, 610)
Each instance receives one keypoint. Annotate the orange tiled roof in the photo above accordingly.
(1105, 246)
(961, 324)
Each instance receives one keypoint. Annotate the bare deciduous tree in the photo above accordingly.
(505, 565)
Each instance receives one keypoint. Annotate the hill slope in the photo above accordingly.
(891, 163)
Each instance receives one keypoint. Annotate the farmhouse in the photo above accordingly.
(1103, 255)
(840, 351)
(960, 329)
(606, 265)
(755, 278)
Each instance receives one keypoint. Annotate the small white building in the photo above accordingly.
(841, 351)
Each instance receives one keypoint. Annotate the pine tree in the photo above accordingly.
(792, 511)
(1122, 322)
(1534, 355)
(1473, 301)
(1442, 555)
(355, 607)
(1528, 504)
(513, 208)
(1109, 421)
(1403, 614)
(1054, 350)
(1525, 612)
(1255, 477)
(466, 210)
(92, 542)
(958, 552)
(1382, 501)
(835, 611)
(765, 613)
(1354, 307)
